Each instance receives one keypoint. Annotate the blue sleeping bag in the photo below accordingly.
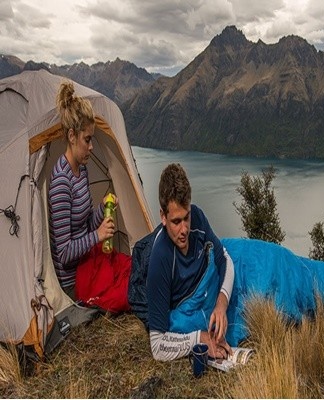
(276, 273)
(261, 269)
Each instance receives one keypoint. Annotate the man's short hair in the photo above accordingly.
(174, 186)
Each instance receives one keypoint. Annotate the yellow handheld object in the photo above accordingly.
(107, 245)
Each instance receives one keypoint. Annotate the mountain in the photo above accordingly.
(10, 65)
(237, 97)
(119, 80)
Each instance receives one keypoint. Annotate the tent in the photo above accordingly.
(35, 313)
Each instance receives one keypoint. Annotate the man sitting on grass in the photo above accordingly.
(191, 291)
(190, 276)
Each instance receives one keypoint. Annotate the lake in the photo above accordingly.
(298, 187)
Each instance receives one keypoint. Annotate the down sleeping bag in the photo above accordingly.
(262, 269)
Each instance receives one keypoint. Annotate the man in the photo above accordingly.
(190, 276)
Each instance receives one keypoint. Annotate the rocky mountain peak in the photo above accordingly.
(230, 36)
(304, 54)
(237, 97)
(10, 65)
(119, 80)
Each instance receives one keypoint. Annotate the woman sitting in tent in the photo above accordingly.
(76, 228)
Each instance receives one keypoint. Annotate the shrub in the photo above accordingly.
(317, 237)
(258, 208)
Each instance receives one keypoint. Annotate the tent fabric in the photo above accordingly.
(30, 143)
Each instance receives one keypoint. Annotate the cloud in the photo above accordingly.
(5, 10)
(157, 35)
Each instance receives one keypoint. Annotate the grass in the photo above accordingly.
(111, 358)
(9, 367)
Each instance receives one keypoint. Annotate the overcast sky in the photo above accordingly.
(159, 35)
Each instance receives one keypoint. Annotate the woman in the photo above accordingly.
(76, 228)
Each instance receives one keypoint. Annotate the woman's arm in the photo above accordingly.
(60, 200)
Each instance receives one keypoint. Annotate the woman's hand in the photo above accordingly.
(106, 230)
(218, 319)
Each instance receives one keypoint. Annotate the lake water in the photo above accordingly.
(298, 186)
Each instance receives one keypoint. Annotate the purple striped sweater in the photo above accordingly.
(72, 219)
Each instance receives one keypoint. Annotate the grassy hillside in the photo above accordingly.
(111, 358)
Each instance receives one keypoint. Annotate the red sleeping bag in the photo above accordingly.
(102, 279)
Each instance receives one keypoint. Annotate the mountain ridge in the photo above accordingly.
(119, 80)
(237, 97)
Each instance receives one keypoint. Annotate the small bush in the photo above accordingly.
(258, 209)
(317, 237)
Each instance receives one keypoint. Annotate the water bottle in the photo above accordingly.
(107, 245)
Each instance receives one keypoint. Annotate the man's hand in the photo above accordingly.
(218, 319)
(215, 350)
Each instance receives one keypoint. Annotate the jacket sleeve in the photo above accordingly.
(170, 346)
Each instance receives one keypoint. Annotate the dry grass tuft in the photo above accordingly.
(9, 367)
(271, 373)
(111, 358)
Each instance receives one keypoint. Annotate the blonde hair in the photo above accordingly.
(76, 112)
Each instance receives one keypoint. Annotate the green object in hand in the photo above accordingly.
(107, 245)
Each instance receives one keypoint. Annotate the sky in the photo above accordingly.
(160, 36)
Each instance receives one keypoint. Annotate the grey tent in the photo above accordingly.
(34, 311)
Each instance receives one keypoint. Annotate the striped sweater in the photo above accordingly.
(72, 219)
